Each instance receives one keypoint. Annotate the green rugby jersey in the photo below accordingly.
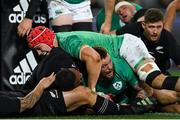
(71, 42)
(123, 77)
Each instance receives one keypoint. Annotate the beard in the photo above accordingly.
(106, 80)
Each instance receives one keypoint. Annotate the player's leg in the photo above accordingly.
(60, 16)
(138, 57)
(78, 97)
(166, 96)
(82, 20)
(163, 96)
(83, 95)
(172, 108)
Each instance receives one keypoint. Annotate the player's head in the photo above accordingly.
(153, 24)
(125, 10)
(107, 70)
(68, 78)
(41, 39)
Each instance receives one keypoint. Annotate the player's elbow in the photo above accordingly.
(89, 54)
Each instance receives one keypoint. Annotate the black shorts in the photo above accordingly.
(51, 103)
(9, 102)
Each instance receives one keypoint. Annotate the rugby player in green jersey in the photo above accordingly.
(125, 47)
(120, 84)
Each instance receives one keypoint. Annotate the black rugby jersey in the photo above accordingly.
(165, 48)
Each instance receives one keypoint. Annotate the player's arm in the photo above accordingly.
(170, 15)
(31, 99)
(109, 7)
(93, 64)
(25, 26)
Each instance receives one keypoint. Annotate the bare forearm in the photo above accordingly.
(93, 74)
(31, 99)
(93, 64)
(109, 7)
(170, 15)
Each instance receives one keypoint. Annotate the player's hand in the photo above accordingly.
(24, 27)
(177, 2)
(141, 94)
(108, 97)
(112, 32)
(47, 81)
(105, 28)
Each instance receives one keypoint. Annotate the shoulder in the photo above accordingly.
(133, 25)
(168, 36)
(130, 36)
(133, 28)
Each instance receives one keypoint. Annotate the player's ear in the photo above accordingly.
(133, 8)
(55, 42)
(143, 24)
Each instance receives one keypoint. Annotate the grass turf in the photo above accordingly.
(144, 116)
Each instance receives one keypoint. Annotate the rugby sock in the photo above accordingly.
(103, 106)
(170, 83)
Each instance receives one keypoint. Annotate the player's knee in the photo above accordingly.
(85, 91)
(148, 72)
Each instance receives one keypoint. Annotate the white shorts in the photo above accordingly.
(134, 51)
(79, 11)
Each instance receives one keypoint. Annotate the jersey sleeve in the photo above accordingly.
(132, 28)
(174, 48)
(72, 45)
(33, 6)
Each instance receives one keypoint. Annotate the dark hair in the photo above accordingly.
(102, 51)
(153, 15)
(65, 79)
